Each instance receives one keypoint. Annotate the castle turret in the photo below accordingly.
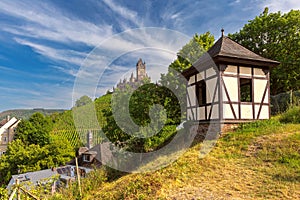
(141, 70)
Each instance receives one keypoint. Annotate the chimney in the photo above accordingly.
(7, 118)
(89, 139)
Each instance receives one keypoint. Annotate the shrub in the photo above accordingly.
(291, 116)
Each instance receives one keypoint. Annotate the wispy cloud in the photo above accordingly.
(125, 13)
(44, 21)
(69, 56)
(283, 5)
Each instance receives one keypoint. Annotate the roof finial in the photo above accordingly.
(222, 30)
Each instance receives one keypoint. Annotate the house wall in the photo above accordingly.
(210, 110)
(7, 133)
(233, 107)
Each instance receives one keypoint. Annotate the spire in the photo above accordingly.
(222, 30)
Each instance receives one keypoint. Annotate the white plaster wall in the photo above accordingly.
(264, 113)
(215, 112)
(245, 71)
(210, 72)
(231, 84)
(231, 69)
(210, 88)
(201, 113)
(187, 100)
(192, 95)
(227, 112)
(189, 114)
(259, 72)
(259, 88)
(246, 112)
(266, 100)
(200, 76)
(191, 80)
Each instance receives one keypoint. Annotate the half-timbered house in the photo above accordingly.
(229, 84)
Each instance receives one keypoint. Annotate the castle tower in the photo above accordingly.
(140, 70)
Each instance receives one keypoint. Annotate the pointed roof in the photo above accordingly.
(225, 47)
(139, 61)
(225, 51)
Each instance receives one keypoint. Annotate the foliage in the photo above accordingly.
(26, 113)
(3, 194)
(291, 116)
(93, 181)
(78, 138)
(137, 105)
(35, 130)
(280, 103)
(63, 121)
(192, 51)
(254, 162)
(84, 100)
(21, 157)
(276, 36)
(189, 54)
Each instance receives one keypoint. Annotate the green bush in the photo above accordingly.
(3, 194)
(291, 116)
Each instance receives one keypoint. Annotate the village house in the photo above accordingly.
(7, 132)
(228, 85)
(56, 176)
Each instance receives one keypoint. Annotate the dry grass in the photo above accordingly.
(259, 161)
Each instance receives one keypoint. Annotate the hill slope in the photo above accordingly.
(258, 161)
(26, 113)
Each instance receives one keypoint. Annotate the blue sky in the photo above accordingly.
(44, 44)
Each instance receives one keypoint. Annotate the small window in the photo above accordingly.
(246, 89)
(201, 93)
(5, 139)
(86, 158)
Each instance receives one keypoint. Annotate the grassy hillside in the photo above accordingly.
(26, 113)
(258, 161)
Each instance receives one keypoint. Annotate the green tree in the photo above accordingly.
(3, 194)
(192, 51)
(35, 130)
(141, 102)
(22, 158)
(145, 97)
(276, 36)
(84, 100)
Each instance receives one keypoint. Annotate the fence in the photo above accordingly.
(283, 101)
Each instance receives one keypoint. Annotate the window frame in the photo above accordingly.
(201, 88)
(243, 84)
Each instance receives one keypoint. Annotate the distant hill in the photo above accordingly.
(26, 113)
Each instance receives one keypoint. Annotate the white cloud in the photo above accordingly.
(43, 21)
(56, 96)
(124, 12)
(69, 56)
(283, 5)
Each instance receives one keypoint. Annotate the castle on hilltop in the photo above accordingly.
(135, 81)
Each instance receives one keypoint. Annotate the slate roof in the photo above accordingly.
(3, 122)
(226, 50)
(33, 177)
(229, 48)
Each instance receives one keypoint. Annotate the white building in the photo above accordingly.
(228, 85)
(7, 132)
